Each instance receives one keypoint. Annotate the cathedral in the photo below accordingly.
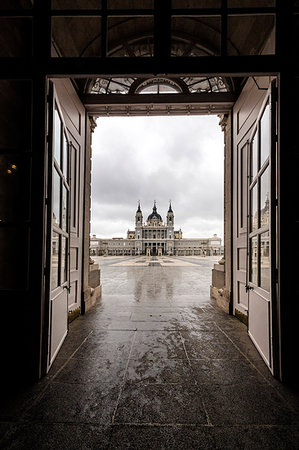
(154, 237)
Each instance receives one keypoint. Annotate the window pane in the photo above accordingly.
(253, 260)
(130, 36)
(265, 135)
(196, 4)
(74, 186)
(65, 156)
(64, 209)
(130, 4)
(248, 35)
(16, 4)
(15, 37)
(205, 32)
(55, 261)
(76, 4)
(56, 199)
(250, 3)
(76, 36)
(57, 137)
(63, 259)
(265, 196)
(254, 210)
(265, 261)
(254, 156)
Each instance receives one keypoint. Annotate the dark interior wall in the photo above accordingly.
(21, 228)
(288, 224)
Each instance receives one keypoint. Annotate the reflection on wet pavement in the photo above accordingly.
(155, 365)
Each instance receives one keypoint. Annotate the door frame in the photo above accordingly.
(274, 353)
(53, 100)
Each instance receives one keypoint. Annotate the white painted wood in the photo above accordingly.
(58, 296)
(58, 315)
(259, 323)
(245, 113)
(75, 116)
(260, 300)
(66, 296)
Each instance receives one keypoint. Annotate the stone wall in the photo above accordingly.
(94, 290)
(221, 287)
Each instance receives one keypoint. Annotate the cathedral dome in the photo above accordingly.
(154, 214)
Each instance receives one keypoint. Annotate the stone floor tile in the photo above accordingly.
(85, 371)
(155, 316)
(75, 403)
(98, 348)
(257, 437)
(15, 403)
(103, 337)
(60, 436)
(212, 350)
(248, 403)
(160, 372)
(225, 371)
(198, 337)
(72, 343)
(146, 326)
(157, 345)
(161, 437)
(160, 404)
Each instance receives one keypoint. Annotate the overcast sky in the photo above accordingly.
(158, 158)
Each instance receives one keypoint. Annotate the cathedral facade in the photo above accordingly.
(154, 237)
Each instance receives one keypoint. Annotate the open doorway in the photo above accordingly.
(157, 163)
(157, 200)
(184, 173)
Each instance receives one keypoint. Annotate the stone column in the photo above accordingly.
(91, 272)
(221, 274)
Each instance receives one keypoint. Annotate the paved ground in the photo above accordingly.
(155, 365)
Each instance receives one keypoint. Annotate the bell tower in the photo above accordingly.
(170, 216)
(170, 230)
(138, 230)
(138, 216)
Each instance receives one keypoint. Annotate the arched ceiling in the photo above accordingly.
(131, 33)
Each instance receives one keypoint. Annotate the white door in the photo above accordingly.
(261, 230)
(58, 226)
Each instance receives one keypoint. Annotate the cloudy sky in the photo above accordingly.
(157, 158)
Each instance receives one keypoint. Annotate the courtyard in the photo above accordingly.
(155, 364)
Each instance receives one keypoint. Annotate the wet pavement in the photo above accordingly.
(155, 365)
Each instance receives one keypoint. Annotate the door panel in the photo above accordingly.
(241, 224)
(259, 234)
(65, 206)
(259, 324)
(74, 116)
(255, 237)
(58, 227)
(245, 113)
(58, 318)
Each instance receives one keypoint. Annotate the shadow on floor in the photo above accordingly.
(158, 368)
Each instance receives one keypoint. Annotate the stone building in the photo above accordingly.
(155, 237)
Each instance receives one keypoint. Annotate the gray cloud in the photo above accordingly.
(161, 158)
